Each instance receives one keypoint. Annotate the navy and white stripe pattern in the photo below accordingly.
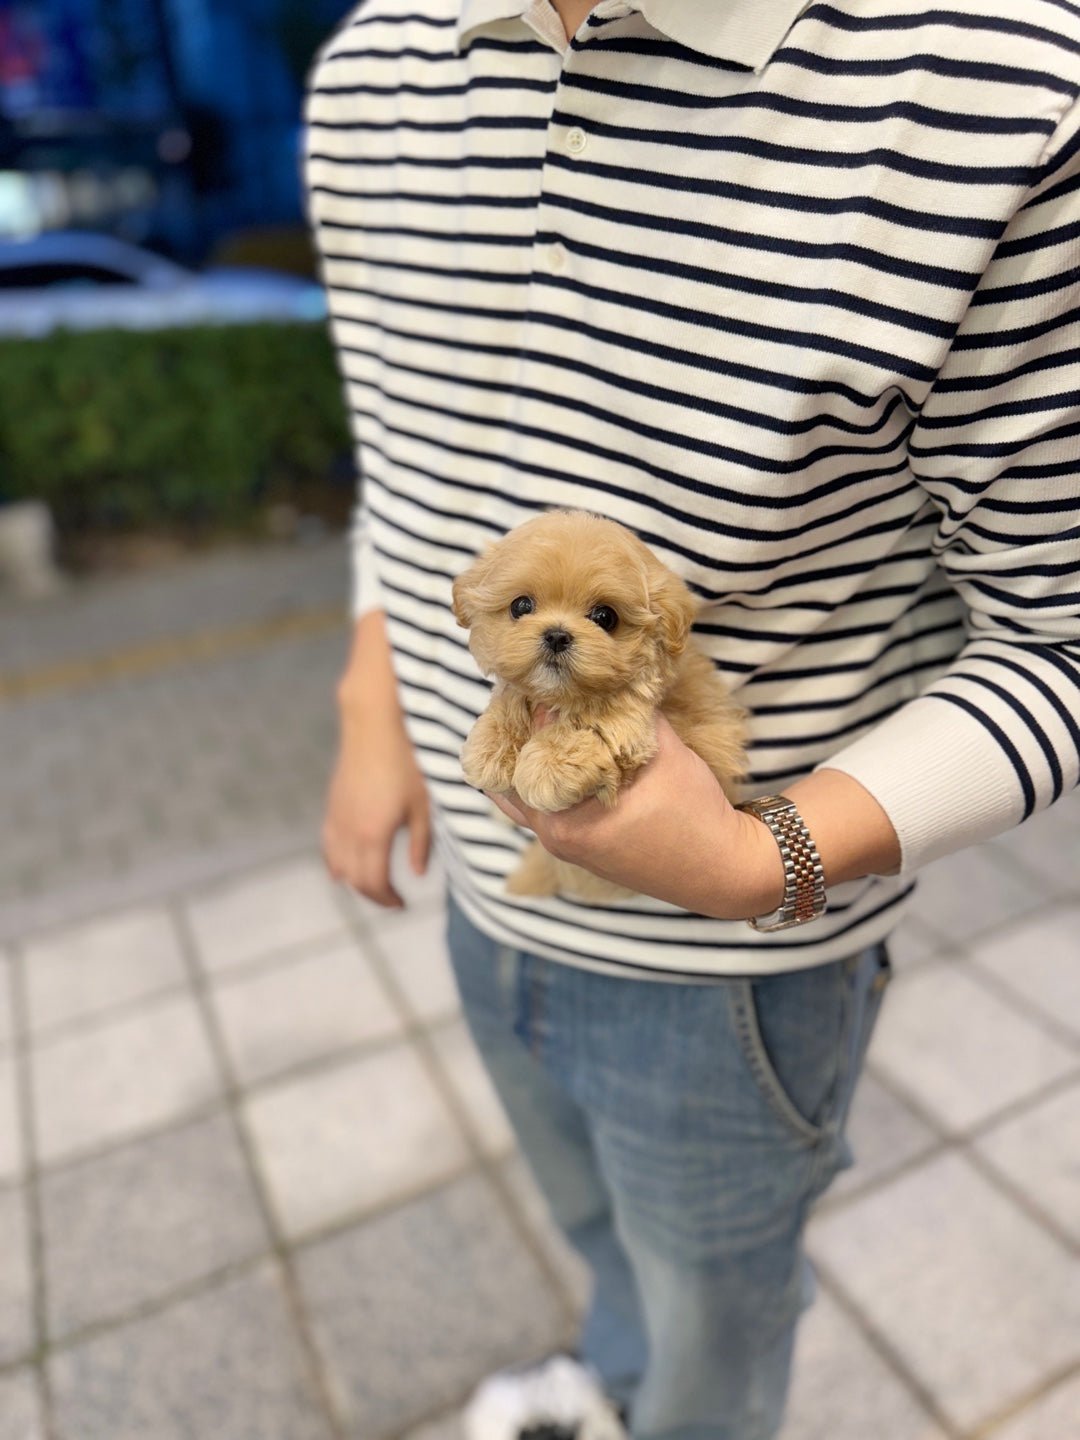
(792, 296)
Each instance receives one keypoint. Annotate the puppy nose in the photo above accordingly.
(556, 639)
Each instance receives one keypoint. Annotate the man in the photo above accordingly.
(787, 289)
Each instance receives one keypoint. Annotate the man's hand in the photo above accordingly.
(672, 834)
(376, 787)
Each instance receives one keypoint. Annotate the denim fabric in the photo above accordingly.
(680, 1134)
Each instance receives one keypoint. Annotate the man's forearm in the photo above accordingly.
(853, 834)
(367, 686)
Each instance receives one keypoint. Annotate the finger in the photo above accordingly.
(509, 808)
(374, 880)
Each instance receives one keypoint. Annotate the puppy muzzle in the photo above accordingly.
(556, 640)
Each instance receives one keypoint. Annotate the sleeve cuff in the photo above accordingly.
(940, 777)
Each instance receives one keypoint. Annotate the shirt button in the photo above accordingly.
(575, 140)
(557, 255)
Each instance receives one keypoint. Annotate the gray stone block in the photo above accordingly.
(224, 1364)
(1048, 846)
(11, 1145)
(958, 1050)
(413, 944)
(7, 1018)
(296, 1010)
(1036, 958)
(16, 1321)
(122, 1077)
(971, 893)
(1038, 1151)
(20, 1407)
(883, 1133)
(128, 1227)
(85, 969)
(1052, 1416)
(980, 1303)
(264, 914)
(841, 1389)
(358, 1134)
(411, 1309)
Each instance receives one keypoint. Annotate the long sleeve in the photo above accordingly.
(996, 447)
(365, 592)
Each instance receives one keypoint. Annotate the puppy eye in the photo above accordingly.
(523, 605)
(604, 616)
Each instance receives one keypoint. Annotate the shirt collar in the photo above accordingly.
(749, 32)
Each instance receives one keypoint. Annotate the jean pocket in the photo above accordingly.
(792, 1030)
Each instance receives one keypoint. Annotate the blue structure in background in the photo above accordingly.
(169, 122)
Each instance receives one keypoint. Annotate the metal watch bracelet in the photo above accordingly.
(804, 878)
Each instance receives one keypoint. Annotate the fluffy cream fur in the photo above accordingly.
(604, 684)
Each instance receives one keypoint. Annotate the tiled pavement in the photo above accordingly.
(253, 1182)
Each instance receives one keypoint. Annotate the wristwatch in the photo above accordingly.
(804, 879)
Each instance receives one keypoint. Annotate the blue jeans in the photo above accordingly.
(680, 1134)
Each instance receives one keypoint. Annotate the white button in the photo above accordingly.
(557, 255)
(575, 140)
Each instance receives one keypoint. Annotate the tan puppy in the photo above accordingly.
(573, 612)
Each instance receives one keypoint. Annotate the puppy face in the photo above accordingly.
(572, 604)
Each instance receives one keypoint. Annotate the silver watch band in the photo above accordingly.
(804, 878)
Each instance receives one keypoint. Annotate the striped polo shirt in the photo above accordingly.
(790, 291)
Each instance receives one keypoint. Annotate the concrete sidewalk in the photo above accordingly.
(253, 1181)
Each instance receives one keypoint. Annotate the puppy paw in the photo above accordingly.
(488, 759)
(558, 768)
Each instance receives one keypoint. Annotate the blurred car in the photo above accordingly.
(76, 280)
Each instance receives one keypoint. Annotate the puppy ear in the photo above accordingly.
(674, 607)
(470, 588)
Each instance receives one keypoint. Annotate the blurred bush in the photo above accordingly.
(184, 431)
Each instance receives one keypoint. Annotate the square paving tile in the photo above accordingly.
(414, 949)
(1048, 844)
(913, 942)
(972, 892)
(16, 1323)
(841, 1389)
(85, 969)
(979, 1301)
(265, 913)
(414, 1307)
(20, 1407)
(560, 1254)
(1052, 1417)
(959, 1051)
(446, 1427)
(11, 1148)
(125, 1228)
(302, 1008)
(883, 1134)
(353, 1136)
(7, 1018)
(465, 1070)
(1037, 959)
(1039, 1151)
(121, 1077)
(225, 1363)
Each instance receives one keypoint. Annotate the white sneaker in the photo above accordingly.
(559, 1399)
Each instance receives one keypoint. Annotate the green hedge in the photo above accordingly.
(191, 429)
